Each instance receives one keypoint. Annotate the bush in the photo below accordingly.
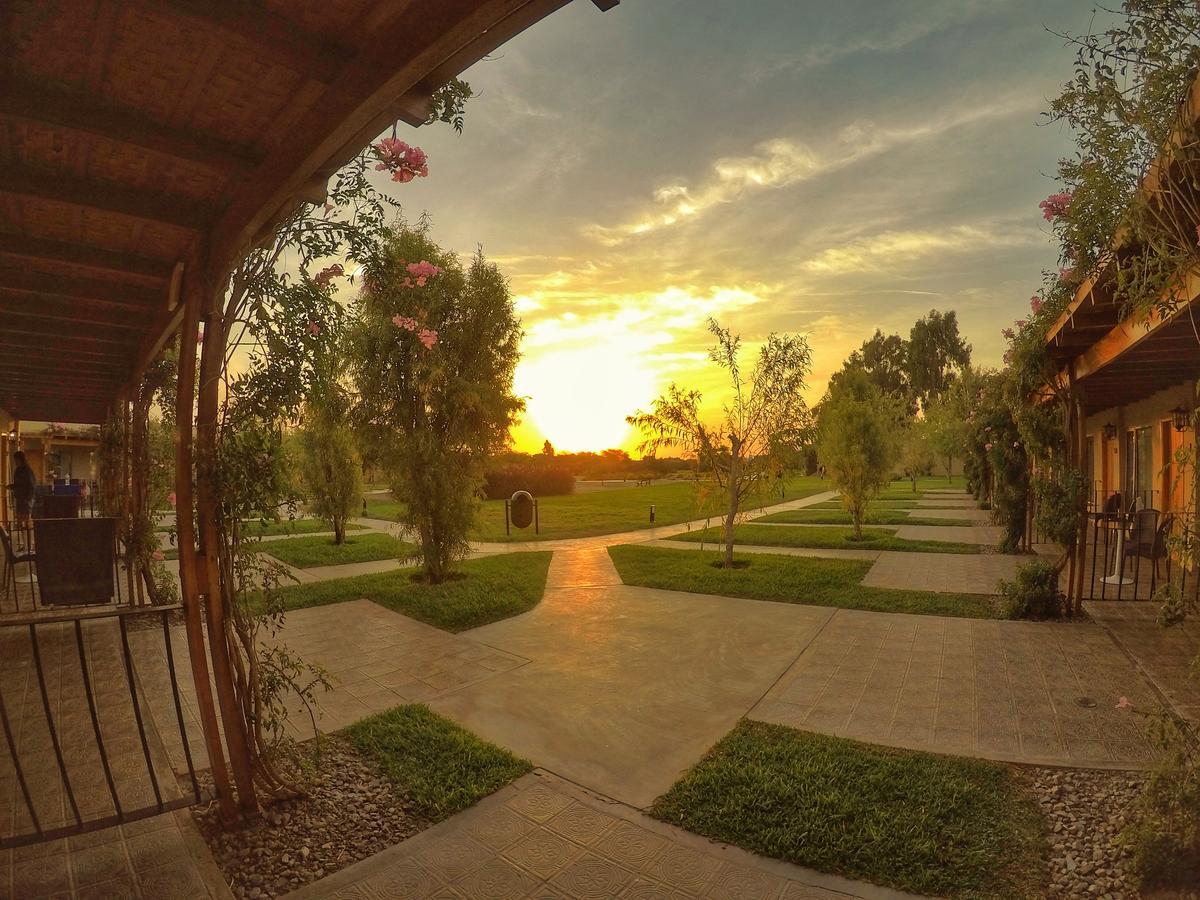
(1034, 593)
(541, 479)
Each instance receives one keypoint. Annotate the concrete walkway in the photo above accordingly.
(545, 837)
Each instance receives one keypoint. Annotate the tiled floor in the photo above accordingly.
(542, 838)
(1020, 691)
(984, 535)
(1163, 654)
(963, 573)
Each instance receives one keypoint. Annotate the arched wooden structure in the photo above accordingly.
(145, 147)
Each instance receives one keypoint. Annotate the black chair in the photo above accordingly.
(1143, 534)
(12, 559)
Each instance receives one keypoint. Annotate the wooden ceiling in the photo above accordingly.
(130, 131)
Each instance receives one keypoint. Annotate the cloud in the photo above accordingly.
(782, 162)
(890, 249)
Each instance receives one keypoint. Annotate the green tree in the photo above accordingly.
(947, 432)
(766, 416)
(856, 442)
(916, 450)
(547, 449)
(936, 353)
(330, 465)
(433, 349)
(884, 359)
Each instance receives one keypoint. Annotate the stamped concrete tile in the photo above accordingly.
(539, 803)
(542, 853)
(581, 823)
(592, 877)
(498, 827)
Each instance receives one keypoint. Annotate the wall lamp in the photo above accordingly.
(1181, 418)
(1110, 431)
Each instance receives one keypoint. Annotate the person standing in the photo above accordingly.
(24, 482)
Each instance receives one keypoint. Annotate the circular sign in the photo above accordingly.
(521, 509)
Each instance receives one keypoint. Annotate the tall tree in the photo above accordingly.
(766, 415)
(936, 353)
(331, 468)
(884, 360)
(433, 349)
(856, 442)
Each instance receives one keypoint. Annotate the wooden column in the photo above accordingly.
(1081, 542)
(194, 297)
(212, 366)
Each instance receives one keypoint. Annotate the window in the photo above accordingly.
(1139, 466)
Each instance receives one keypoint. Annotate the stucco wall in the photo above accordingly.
(1151, 412)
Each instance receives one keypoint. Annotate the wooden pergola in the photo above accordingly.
(146, 147)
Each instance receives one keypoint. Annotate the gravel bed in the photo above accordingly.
(351, 812)
(1086, 810)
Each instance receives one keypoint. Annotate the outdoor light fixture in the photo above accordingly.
(1181, 418)
(1110, 431)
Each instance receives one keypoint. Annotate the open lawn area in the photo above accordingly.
(320, 550)
(825, 516)
(605, 512)
(937, 825)
(438, 767)
(830, 537)
(785, 579)
(489, 589)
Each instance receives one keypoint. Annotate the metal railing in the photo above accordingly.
(83, 734)
(1130, 554)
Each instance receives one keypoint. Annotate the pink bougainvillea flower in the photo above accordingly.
(369, 285)
(327, 274)
(314, 328)
(158, 556)
(171, 498)
(1066, 274)
(1020, 323)
(1008, 333)
(1055, 205)
(428, 337)
(408, 324)
(987, 446)
(1035, 304)
(423, 269)
(403, 161)
(1124, 703)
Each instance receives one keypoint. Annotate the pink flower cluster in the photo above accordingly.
(419, 273)
(314, 328)
(427, 336)
(1055, 205)
(1035, 304)
(326, 275)
(1066, 274)
(403, 161)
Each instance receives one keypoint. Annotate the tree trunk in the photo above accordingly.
(339, 531)
(731, 515)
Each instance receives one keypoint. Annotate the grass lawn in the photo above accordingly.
(494, 588)
(829, 537)
(809, 516)
(294, 526)
(785, 579)
(938, 825)
(437, 766)
(320, 550)
(603, 512)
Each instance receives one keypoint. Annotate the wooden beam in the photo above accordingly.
(146, 205)
(134, 297)
(35, 328)
(61, 309)
(25, 102)
(393, 61)
(110, 261)
(274, 36)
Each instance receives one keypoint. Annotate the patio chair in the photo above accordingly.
(1142, 536)
(12, 559)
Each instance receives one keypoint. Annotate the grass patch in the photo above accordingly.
(938, 825)
(786, 579)
(825, 537)
(604, 512)
(437, 766)
(495, 587)
(292, 526)
(320, 550)
(810, 516)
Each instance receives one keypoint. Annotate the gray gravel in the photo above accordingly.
(351, 812)
(1086, 810)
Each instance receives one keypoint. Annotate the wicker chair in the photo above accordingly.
(12, 559)
(1143, 535)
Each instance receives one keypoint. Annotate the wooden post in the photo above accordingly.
(189, 569)
(1080, 459)
(212, 365)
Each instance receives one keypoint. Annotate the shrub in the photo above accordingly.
(1034, 593)
(539, 478)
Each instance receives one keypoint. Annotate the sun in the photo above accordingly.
(578, 399)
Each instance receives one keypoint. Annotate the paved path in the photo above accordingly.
(961, 573)
(544, 837)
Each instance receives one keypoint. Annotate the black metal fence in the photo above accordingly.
(82, 734)
(1130, 553)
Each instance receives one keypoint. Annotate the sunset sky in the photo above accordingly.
(781, 165)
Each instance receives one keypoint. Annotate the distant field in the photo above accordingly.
(606, 511)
